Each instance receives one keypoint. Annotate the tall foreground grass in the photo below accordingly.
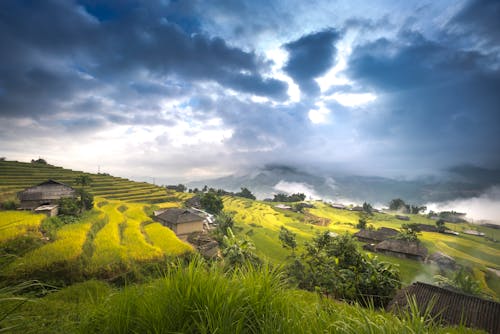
(195, 299)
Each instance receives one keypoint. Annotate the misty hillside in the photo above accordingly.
(271, 179)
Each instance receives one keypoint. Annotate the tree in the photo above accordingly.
(83, 180)
(211, 203)
(238, 252)
(86, 199)
(367, 208)
(409, 232)
(287, 239)
(440, 224)
(361, 224)
(415, 209)
(245, 193)
(224, 221)
(39, 161)
(298, 197)
(398, 205)
(334, 266)
(68, 206)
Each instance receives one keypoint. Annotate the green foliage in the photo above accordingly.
(122, 208)
(238, 252)
(287, 239)
(86, 199)
(224, 221)
(440, 224)
(361, 224)
(461, 280)
(9, 205)
(39, 161)
(409, 232)
(211, 203)
(245, 193)
(69, 206)
(334, 266)
(398, 204)
(367, 208)
(415, 209)
(298, 197)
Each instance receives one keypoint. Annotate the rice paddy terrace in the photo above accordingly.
(112, 239)
(261, 222)
(16, 176)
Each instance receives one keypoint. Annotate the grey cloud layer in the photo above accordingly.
(83, 66)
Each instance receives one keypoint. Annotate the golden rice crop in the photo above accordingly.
(14, 224)
(165, 238)
(66, 248)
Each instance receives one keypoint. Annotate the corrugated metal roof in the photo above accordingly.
(451, 307)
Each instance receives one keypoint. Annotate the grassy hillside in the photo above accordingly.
(198, 299)
(261, 222)
(16, 176)
(117, 242)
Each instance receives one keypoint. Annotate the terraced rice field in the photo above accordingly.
(16, 176)
(113, 237)
(14, 224)
(261, 222)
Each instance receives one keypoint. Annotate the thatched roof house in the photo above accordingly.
(194, 202)
(450, 307)
(45, 193)
(401, 217)
(381, 234)
(402, 248)
(181, 221)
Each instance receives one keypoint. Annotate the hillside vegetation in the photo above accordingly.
(16, 176)
(261, 222)
(87, 263)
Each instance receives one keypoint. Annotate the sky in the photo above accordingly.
(186, 90)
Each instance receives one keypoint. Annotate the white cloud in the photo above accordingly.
(352, 99)
(484, 207)
(297, 187)
(319, 115)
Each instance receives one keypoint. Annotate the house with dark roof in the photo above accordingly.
(181, 221)
(402, 248)
(450, 307)
(374, 236)
(45, 193)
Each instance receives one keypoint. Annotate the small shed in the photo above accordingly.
(381, 234)
(45, 193)
(357, 208)
(338, 206)
(181, 221)
(450, 307)
(402, 248)
(50, 210)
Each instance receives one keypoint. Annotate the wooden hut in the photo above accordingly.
(45, 193)
(375, 236)
(181, 221)
(402, 248)
(450, 307)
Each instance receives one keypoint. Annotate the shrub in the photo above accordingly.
(9, 205)
(68, 206)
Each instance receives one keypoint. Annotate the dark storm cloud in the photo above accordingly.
(479, 18)
(54, 50)
(439, 101)
(311, 56)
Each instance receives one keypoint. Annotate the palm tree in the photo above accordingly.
(83, 180)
